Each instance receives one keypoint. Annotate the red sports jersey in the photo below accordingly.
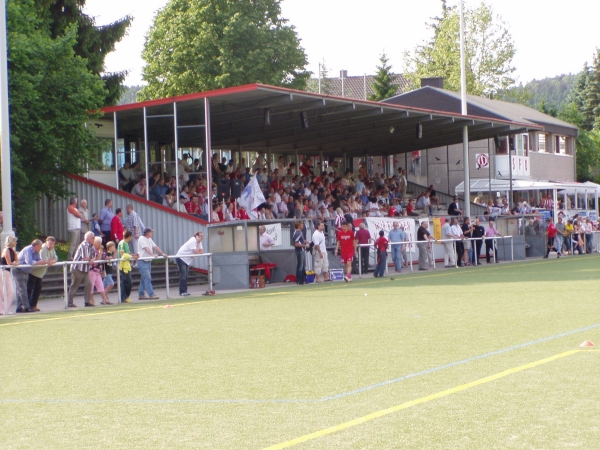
(346, 239)
(551, 230)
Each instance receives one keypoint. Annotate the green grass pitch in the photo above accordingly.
(262, 368)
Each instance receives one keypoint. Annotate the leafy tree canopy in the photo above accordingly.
(199, 45)
(51, 92)
(489, 50)
(384, 83)
(92, 43)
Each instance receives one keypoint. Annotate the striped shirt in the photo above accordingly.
(132, 221)
(83, 251)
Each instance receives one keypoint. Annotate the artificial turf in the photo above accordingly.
(260, 368)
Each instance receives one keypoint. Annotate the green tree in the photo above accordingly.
(587, 144)
(384, 84)
(199, 45)
(92, 43)
(51, 94)
(489, 50)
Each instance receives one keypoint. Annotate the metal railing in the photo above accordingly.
(66, 264)
(430, 250)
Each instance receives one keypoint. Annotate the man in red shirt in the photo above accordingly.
(551, 232)
(193, 206)
(363, 237)
(381, 245)
(116, 226)
(347, 243)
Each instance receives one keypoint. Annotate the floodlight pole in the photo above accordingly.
(463, 96)
(5, 131)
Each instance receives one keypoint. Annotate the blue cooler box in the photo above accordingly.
(310, 277)
(336, 274)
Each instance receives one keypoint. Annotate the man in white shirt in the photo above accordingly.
(147, 249)
(321, 262)
(192, 247)
(447, 233)
(266, 241)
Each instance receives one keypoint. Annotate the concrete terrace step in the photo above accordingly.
(53, 281)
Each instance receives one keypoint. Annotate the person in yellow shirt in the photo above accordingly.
(567, 236)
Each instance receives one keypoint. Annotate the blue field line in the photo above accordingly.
(317, 400)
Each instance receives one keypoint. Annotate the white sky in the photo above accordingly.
(552, 37)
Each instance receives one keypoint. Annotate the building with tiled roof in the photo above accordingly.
(358, 87)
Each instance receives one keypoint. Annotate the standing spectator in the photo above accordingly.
(110, 254)
(266, 241)
(9, 258)
(363, 237)
(29, 256)
(458, 234)
(300, 246)
(147, 249)
(381, 245)
(478, 233)
(73, 225)
(192, 247)
(321, 260)
(106, 216)
(551, 233)
(396, 236)
(116, 226)
(346, 242)
(135, 226)
(424, 241)
(449, 260)
(588, 229)
(490, 243)
(125, 266)
(560, 230)
(95, 272)
(85, 219)
(79, 272)
(34, 281)
(467, 229)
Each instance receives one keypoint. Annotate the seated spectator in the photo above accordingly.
(410, 208)
(192, 207)
(140, 187)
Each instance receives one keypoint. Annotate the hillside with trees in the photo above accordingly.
(552, 92)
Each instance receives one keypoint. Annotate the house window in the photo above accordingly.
(541, 142)
(561, 146)
(105, 156)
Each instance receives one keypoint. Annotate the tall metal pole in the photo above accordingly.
(463, 95)
(116, 150)
(146, 147)
(176, 152)
(510, 190)
(319, 78)
(208, 157)
(5, 131)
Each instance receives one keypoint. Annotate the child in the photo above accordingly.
(381, 245)
(108, 267)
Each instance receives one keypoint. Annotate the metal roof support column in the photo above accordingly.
(463, 88)
(297, 162)
(345, 163)
(585, 201)
(555, 205)
(146, 154)
(322, 166)
(269, 161)
(176, 152)
(116, 151)
(207, 152)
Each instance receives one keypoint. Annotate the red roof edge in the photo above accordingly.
(181, 98)
(136, 198)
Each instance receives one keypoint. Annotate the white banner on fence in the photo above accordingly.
(274, 230)
(374, 224)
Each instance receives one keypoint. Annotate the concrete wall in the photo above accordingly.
(548, 166)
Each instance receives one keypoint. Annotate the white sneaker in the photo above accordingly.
(346, 278)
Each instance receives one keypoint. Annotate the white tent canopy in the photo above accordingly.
(483, 185)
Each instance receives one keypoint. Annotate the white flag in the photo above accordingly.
(251, 197)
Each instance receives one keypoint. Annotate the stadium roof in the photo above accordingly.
(450, 102)
(257, 117)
